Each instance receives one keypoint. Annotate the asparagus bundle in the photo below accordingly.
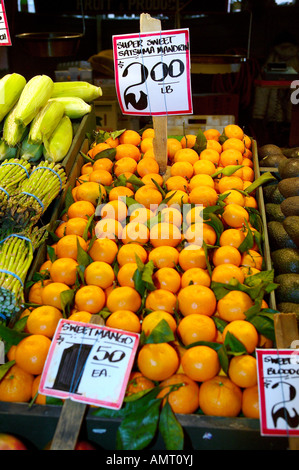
(35, 195)
(12, 173)
(16, 254)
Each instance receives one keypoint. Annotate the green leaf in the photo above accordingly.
(69, 199)
(214, 221)
(223, 358)
(137, 430)
(107, 153)
(264, 325)
(233, 345)
(88, 228)
(227, 171)
(51, 253)
(66, 298)
(162, 333)
(264, 178)
(170, 429)
(248, 241)
(204, 245)
(11, 336)
(135, 181)
(4, 368)
(82, 256)
(201, 141)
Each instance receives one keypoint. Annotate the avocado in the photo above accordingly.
(291, 153)
(288, 307)
(272, 160)
(273, 212)
(285, 260)
(290, 206)
(278, 237)
(289, 187)
(289, 168)
(268, 149)
(272, 194)
(268, 191)
(291, 226)
(288, 288)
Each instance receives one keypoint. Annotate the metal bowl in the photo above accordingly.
(50, 44)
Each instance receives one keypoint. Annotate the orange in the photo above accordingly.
(226, 183)
(112, 142)
(201, 180)
(183, 399)
(212, 134)
(184, 169)
(103, 164)
(197, 276)
(151, 320)
(103, 249)
(250, 201)
(148, 196)
(219, 396)
(231, 237)
(115, 209)
(177, 197)
(43, 320)
(195, 327)
(39, 399)
(149, 132)
(128, 253)
(226, 272)
(173, 146)
(123, 298)
(138, 383)
(35, 291)
(103, 177)
(234, 305)
(67, 246)
(86, 168)
(177, 183)
(234, 197)
(188, 141)
(124, 320)
(172, 215)
(233, 143)
(64, 270)
(157, 361)
(60, 231)
(247, 141)
(91, 192)
(245, 332)
(16, 385)
(247, 162)
(130, 137)
(99, 273)
(204, 167)
(164, 256)
(250, 402)
(242, 370)
(204, 195)
(200, 363)
(108, 228)
(226, 254)
(198, 232)
(231, 156)
(253, 259)
(249, 271)
(97, 148)
(146, 144)
(233, 130)
(192, 256)
(84, 209)
(45, 266)
(120, 191)
(235, 215)
(195, 214)
(90, 299)
(146, 166)
(31, 353)
(196, 299)
(51, 294)
(125, 275)
(167, 278)
(161, 299)
(147, 179)
(186, 155)
(80, 316)
(165, 234)
(140, 214)
(76, 226)
(211, 155)
(135, 232)
(215, 145)
(149, 153)
(127, 150)
(123, 165)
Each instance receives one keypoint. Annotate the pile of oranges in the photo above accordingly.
(157, 229)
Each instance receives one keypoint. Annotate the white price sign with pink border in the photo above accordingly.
(152, 73)
(4, 30)
(89, 363)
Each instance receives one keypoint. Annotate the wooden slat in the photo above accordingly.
(71, 417)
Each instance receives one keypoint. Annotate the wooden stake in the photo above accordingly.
(286, 331)
(71, 417)
(149, 24)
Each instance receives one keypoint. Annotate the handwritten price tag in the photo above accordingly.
(4, 30)
(89, 363)
(152, 73)
(278, 374)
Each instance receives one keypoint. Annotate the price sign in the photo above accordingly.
(278, 382)
(89, 363)
(152, 73)
(4, 31)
